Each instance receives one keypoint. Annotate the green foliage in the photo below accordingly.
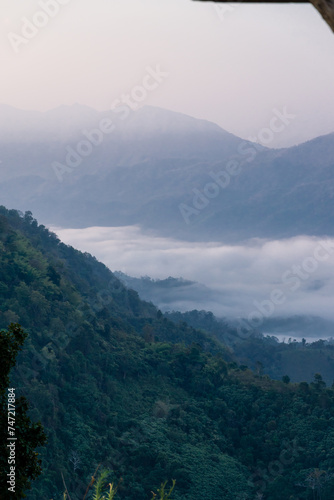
(163, 494)
(11, 342)
(99, 487)
(25, 435)
(115, 382)
(266, 354)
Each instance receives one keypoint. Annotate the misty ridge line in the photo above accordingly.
(233, 168)
(40, 19)
(123, 106)
(291, 278)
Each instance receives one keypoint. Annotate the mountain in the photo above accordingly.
(169, 173)
(178, 294)
(116, 383)
(171, 293)
(60, 124)
(301, 359)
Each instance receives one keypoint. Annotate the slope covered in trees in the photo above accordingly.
(19, 462)
(115, 382)
(300, 359)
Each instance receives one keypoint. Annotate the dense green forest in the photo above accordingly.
(115, 382)
(19, 462)
(301, 360)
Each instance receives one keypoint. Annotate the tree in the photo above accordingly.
(19, 462)
(75, 459)
(319, 384)
(316, 480)
(259, 368)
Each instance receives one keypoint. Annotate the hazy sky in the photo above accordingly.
(230, 66)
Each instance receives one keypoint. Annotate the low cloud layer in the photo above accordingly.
(258, 280)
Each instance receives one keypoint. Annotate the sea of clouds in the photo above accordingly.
(255, 280)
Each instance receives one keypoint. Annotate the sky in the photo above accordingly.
(229, 64)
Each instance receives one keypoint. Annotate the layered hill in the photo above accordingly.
(115, 382)
(167, 172)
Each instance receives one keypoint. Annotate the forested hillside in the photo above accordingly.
(300, 359)
(115, 382)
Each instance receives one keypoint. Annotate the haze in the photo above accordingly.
(240, 276)
(230, 66)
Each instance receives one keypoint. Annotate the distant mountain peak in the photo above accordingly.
(153, 119)
(67, 121)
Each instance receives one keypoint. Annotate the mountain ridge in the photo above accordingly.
(176, 176)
